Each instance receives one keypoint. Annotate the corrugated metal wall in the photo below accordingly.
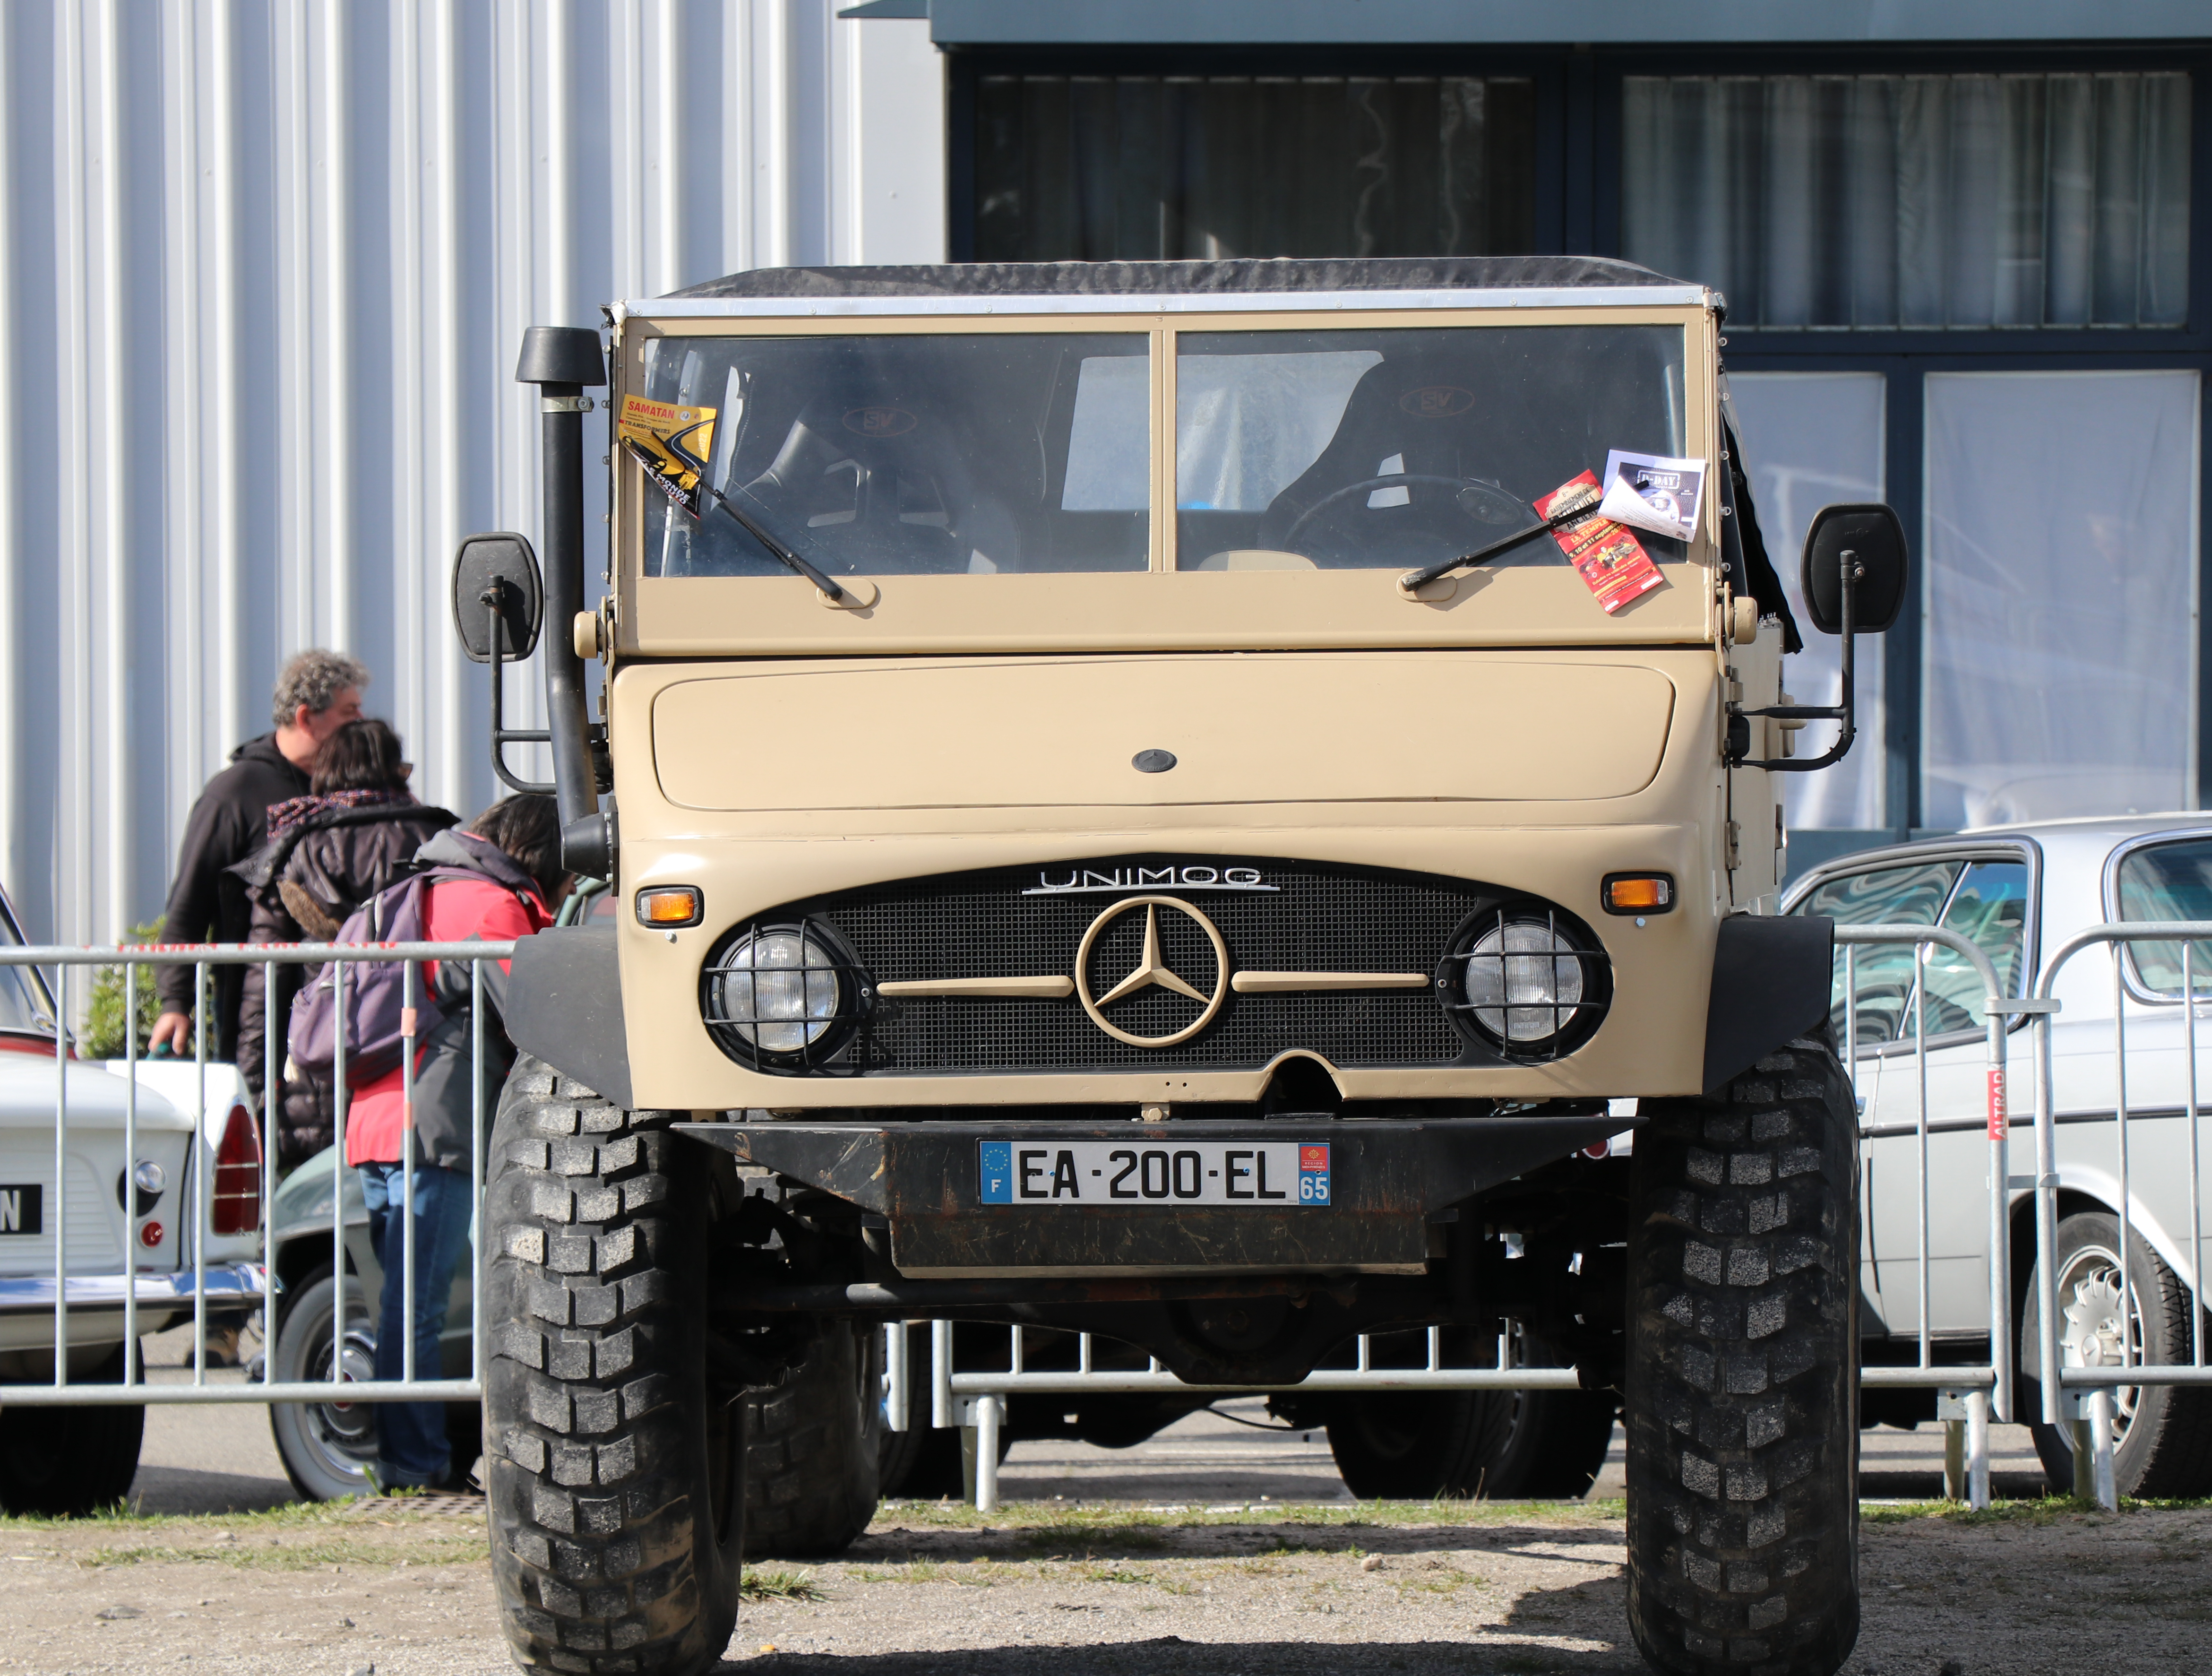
(263, 268)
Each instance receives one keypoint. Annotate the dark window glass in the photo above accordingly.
(1331, 450)
(909, 453)
(1886, 201)
(2169, 882)
(1149, 168)
(1887, 896)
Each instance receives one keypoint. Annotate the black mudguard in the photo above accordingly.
(564, 1006)
(1771, 985)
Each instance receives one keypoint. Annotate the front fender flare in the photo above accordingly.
(1772, 976)
(564, 1005)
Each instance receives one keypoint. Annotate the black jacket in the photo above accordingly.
(207, 903)
(338, 858)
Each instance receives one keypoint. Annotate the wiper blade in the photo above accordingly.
(776, 549)
(697, 467)
(1413, 579)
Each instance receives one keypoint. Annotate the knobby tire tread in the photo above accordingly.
(604, 1554)
(1741, 1410)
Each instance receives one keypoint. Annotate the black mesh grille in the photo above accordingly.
(982, 926)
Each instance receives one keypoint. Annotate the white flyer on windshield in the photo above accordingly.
(1652, 491)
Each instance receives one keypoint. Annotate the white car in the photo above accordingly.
(2019, 892)
(129, 1221)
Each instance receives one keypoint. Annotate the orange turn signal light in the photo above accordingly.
(1637, 893)
(670, 907)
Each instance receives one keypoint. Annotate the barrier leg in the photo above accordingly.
(1954, 1461)
(1978, 1449)
(985, 1435)
(899, 1376)
(940, 1374)
(2085, 1466)
(2100, 1449)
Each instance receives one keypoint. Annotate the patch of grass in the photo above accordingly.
(2044, 1510)
(759, 1585)
(295, 1537)
(1068, 1521)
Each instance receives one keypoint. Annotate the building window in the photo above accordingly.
(1915, 201)
(2061, 543)
(1811, 439)
(1092, 167)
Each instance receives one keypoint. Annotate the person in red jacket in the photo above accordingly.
(513, 852)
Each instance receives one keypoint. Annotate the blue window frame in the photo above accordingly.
(1578, 98)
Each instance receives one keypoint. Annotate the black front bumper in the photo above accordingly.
(1391, 1178)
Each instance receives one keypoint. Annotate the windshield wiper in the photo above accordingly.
(1413, 579)
(776, 549)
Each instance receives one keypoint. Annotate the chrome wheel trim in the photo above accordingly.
(2102, 1325)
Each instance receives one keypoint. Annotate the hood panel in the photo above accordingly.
(1243, 729)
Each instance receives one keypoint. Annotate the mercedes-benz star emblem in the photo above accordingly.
(1151, 969)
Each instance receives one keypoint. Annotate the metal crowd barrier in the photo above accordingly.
(1969, 1396)
(244, 1283)
(2068, 1391)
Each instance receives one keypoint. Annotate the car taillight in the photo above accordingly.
(237, 1205)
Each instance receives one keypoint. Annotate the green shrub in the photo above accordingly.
(101, 1036)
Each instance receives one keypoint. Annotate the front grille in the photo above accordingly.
(982, 926)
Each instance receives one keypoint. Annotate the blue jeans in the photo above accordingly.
(410, 1437)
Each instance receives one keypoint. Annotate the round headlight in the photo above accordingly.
(1527, 978)
(780, 991)
(1525, 981)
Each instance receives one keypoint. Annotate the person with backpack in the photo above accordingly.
(328, 852)
(500, 878)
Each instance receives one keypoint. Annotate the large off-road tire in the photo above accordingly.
(327, 1448)
(1495, 1445)
(63, 1463)
(813, 1448)
(1741, 1401)
(615, 1470)
(2162, 1434)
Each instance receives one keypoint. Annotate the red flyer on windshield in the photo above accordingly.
(1607, 555)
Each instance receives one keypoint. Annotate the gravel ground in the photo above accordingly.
(1337, 1590)
(1213, 1548)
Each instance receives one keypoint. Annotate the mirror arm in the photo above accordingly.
(1851, 570)
(501, 736)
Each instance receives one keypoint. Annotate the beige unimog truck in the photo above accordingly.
(1161, 800)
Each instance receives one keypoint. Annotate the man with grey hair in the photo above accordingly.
(317, 694)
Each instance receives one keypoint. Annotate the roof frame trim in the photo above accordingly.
(1213, 302)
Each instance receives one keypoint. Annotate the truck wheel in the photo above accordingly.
(614, 1469)
(1494, 1445)
(1741, 1406)
(2161, 1434)
(327, 1448)
(62, 1463)
(813, 1449)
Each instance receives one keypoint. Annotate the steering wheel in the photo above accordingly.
(1485, 502)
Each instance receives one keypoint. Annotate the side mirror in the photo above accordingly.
(502, 567)
(1875, 538)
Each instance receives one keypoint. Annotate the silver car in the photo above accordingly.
(2019, 892)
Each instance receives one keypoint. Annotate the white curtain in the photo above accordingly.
(1877, 201)
(2061, 548)
(1810, 440)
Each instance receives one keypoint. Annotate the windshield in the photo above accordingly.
(23, 1005)
(1404, 447)
(913, 454)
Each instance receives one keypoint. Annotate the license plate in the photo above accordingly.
(22, 1208)
(1274, 1174)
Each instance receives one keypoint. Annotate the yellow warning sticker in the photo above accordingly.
(672, 441)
